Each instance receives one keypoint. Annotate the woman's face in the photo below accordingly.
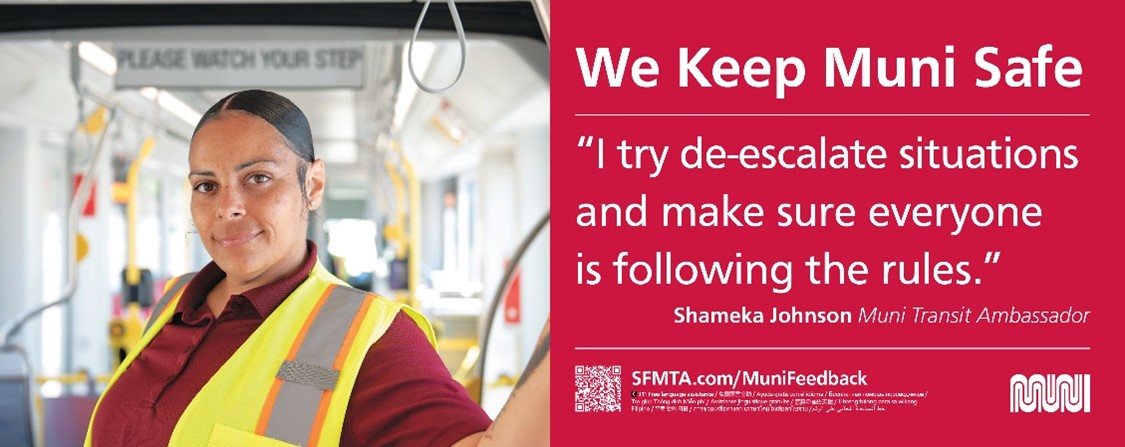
(246, 199)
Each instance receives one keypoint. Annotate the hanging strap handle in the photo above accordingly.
(460, 39)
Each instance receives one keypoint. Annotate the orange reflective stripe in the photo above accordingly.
(267, 409)
(264, 418)
(171, 283)
(318, 423)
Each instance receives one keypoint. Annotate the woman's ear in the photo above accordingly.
(314, 184)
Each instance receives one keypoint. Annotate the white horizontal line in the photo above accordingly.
(832, 348)
(837, 115)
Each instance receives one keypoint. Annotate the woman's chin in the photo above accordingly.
(240, 268)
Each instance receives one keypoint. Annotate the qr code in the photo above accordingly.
(598, 388)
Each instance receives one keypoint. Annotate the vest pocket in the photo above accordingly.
(226, 436)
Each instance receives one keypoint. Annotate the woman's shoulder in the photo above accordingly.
(404, 333)
(404, 394)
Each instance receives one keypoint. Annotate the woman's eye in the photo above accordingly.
(259, 178)
(205, 187)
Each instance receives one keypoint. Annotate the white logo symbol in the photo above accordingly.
(1051, 393)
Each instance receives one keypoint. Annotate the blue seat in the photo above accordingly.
(15, 398)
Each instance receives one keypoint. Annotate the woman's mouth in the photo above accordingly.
(235, 240)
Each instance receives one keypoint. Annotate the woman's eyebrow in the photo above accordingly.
(253, 162)
(240, 167)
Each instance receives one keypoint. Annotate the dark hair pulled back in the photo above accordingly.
(277, 110)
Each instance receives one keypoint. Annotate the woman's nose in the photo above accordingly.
(231, 204)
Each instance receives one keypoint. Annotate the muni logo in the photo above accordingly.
(1051, 393)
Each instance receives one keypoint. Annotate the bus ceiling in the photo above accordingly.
(499, 18)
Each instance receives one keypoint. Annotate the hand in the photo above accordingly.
(525, 419)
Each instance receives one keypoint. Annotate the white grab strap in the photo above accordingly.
(460, 38)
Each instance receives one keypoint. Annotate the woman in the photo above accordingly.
(264, 347)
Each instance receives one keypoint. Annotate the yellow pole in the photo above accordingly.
(132, 273)
(413, 233)
(398, 233)
(414, 258)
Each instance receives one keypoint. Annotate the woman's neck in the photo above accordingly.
(231, 285)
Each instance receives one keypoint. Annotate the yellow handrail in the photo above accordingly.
(71, 379)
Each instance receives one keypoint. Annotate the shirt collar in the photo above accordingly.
(264, 299)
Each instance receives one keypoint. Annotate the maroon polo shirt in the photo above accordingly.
(403, 395)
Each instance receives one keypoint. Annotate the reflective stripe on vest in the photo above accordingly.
(174, 289)
(295, 407)
(288, 350)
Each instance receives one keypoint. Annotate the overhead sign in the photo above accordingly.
(239, 65)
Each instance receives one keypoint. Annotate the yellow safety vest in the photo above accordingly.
(290, 382)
